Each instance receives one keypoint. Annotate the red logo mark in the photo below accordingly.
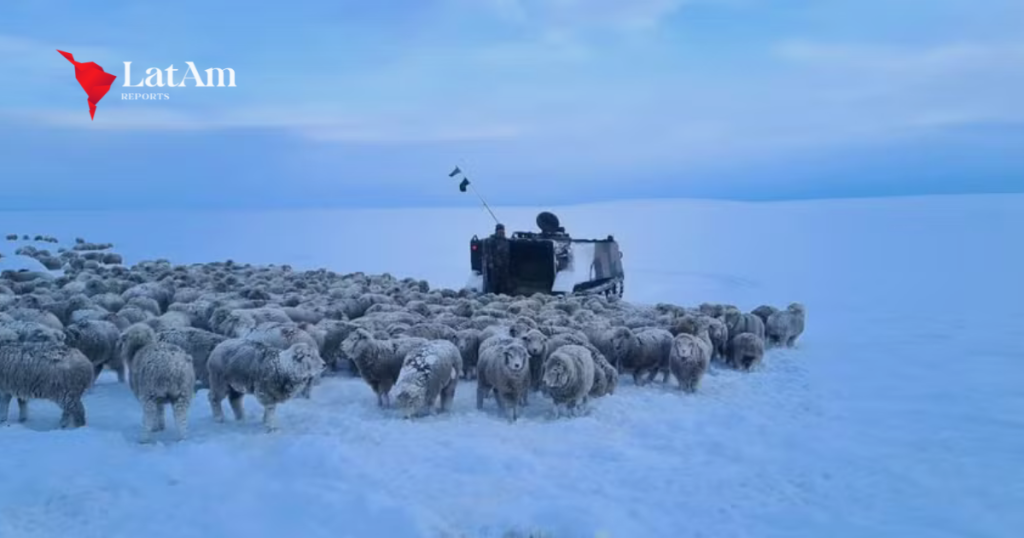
(94, 80)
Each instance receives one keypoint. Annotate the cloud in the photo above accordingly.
(21, 55)
(321, 125)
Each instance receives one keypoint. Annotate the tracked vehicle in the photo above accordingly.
(550, 262)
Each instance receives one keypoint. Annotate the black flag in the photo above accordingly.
(463, 185)
(455, 172)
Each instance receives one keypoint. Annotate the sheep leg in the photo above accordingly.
(447, 396)
(651, 375)
(150, 420)
(638, 377)
(5, 406)
(235, 401)
(161, 424)
(22, 410)
(270, 417)
(97, 369)
(120, 373)
(481, 394)
(791, 341)
(180, 408)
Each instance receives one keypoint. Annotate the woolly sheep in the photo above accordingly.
(568, 378)
(468, 342)
(29, 331)
(379, 361)
(36, 316)
(650, 354)
(238, 367)
(432, 331)
(764, 312)
(606, 377)
(427, 372)
(689, 358)
(746, 350)
(48, 371)
(97, 340)
(158, 374)
(616, 344)
(739, 322)
(504, 370)
(198, 344)
(785, 326)
(536, 346)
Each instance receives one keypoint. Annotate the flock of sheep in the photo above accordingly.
(272, 332)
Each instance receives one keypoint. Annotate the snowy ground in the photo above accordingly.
(901, 414)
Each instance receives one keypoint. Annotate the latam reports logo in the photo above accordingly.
(96, 82)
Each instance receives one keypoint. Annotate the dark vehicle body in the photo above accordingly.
(552, 262)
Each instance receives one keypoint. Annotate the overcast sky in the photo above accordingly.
(342, 103)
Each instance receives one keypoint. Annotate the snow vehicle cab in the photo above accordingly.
(551, 262)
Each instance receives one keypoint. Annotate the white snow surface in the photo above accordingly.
(900, 414)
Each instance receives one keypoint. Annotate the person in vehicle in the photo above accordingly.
(497, 262)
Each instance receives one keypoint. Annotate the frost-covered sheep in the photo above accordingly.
(427, 372)
(568, 378)
(432, 331)
(785, 326)
(536, 345)
(689, 359)
(468, 342)
(764, 312)
(159, 374)
(739, 323)
(616, 344)
(239, 367)
(649, 355)
(606, 377)
(504, 370)
(746, 350)
(379, 361)
(29, 331)
(98, 341)
(36, 316)
(48, 371)
(198, 344)
(719, 334)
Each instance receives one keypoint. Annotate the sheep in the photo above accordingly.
(432, 331)
(536, 345)
(427, 372)
(738, 322)
(97, 339)
(764, 312)
(568, 378)
(37, 316)
(616, 344)
(379, 361)
(606, 377)
(689, 358)
(44, 370)
(719, 334)
(650, 352)
(468, 342)
(198, 344)
(29, 331)
(158, 374)
(785, 326)
(238, 367)
(746, 350)
(504, 370)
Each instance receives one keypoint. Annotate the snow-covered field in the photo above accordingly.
(901, 413)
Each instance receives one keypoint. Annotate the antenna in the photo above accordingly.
(466, 183)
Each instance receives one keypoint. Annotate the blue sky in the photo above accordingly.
(343, 103)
